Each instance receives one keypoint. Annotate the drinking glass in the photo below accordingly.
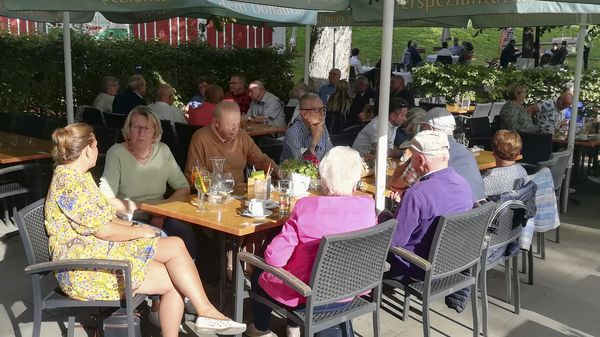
(285, 196)
(202, 189)
(228, 182)
(262, 189)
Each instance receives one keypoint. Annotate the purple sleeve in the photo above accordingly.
(282, 246)
(408, 219)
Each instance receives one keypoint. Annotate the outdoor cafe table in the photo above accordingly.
(16, 149)
(457, 110)
(588, 147)
(259, 129)
(485, 160)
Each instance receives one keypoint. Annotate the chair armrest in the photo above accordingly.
(20, 167)
(77, 264)
(285, 276)
(411, 257)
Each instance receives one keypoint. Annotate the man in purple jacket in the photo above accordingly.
(440, 191)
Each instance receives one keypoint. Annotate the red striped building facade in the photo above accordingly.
(176, 30)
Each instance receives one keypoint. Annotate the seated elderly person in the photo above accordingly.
(265, 106)
(363, 94)
(366, 140)
(307, 137)
(550, 111)
(506, 146)
(139, 170)
(82, 224)
(224, 138)
(461, 159)
(163, 108)
(327, 90)
(132, 97)
(513, 115)
(203, 115)
(295, 247)
(104, 100)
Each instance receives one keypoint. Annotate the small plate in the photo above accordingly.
(249, 215)
(267, 204)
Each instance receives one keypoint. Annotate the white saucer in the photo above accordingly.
(267, 204)
(249, 215)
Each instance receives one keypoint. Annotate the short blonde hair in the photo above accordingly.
(507, 144)
(340, 170)
(148, 113)
(70, 141)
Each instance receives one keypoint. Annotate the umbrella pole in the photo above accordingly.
(384, 103)
(68, 66)
(307, 52)
(573, 123)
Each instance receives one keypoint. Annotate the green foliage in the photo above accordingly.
(483, 84)
(32, 78)
(300, 166)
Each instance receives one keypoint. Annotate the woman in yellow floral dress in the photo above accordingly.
(82, 224)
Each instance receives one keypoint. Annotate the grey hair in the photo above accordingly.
(148, 113)
(135, 81)
(340, 170)
(225, 106)
(361, 78)
(106, 81)
(259, 84)
(311, 96)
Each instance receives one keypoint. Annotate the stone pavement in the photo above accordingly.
(564, 300)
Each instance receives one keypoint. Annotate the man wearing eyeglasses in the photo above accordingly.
(328, 89)
(308, 136)
(238, 92)
(165, 96)
(367, 137)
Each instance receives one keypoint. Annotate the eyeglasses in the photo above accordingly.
(319, 110)
(143, 129)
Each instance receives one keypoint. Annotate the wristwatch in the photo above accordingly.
(315, 147)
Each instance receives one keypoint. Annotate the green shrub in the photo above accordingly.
(482, 84)
(32, 77)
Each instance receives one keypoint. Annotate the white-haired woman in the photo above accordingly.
(106, 96)
(295, 248)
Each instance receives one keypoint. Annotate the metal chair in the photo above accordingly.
(505, 227)
(93, 116)
(17, 181)
(114, 120)
(51, 125)
(347, 265)
(6, 119)
(184, 133)
(30, 221)
(456, 247)
(495, 110)
(169, 137)
(482, 110)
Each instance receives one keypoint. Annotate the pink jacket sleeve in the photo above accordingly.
(282, 247)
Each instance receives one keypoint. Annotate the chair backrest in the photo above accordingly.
(114, 120)
(289, 113)
(51, 125)
(106, 137)
(482, 110)
(557, 165)
(168, 136)
(93, 116)
(346, 138)
(458, 240)
(503, 221)
(30, 221)
(6, 119)
(29, 125)
(480, 127)
(351, 263)
(444, 59)
(330, 119)
(495, 110)
(537, 147)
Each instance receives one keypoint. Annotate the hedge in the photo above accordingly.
(482, 84)
(32, 69)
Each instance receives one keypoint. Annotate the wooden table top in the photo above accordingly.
(18, 148)
(259, 129)
(456, 109)
(593, 143)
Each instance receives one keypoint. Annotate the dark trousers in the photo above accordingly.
(184, 231)
(262, 313)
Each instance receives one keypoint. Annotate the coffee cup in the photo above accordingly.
(256, 207)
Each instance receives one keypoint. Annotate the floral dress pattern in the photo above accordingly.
(75, 209)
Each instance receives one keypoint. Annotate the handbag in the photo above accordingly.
(115, 325)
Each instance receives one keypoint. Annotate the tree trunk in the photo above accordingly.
(528, 43)
(322, 53)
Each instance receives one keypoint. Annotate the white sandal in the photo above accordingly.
(206, 325)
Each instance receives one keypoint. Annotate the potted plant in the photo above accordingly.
(300, 172)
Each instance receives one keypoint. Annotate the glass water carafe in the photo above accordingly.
(218, 190)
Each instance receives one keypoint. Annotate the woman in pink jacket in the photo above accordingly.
(295, 248)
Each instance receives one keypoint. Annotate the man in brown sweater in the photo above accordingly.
(223, 138)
